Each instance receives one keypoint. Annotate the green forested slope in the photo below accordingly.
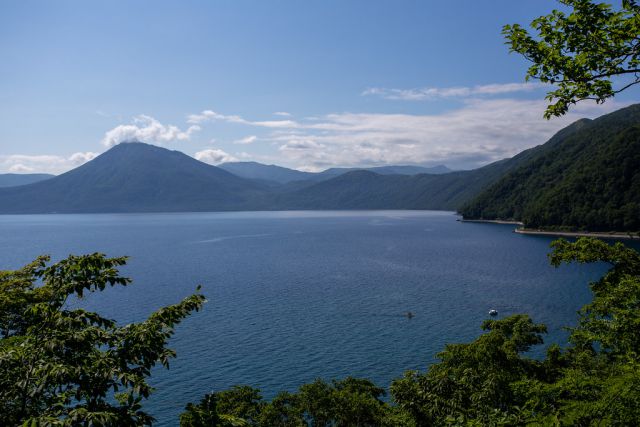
(590, 180)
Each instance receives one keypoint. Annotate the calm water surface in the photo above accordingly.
(298, 295)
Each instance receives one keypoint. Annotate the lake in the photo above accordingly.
(298, 295)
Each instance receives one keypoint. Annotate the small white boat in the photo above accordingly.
(493, 312)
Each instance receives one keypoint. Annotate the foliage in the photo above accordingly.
(63, 366)
(473, 381)
(348, 402)
(588, 179)
(582, 51)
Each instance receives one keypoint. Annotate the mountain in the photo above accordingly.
(279, 174)
(585, 176)
(15, 179)
(363, 189)
(259, 171)
(387, 170)
(135, 177)
(588, 179)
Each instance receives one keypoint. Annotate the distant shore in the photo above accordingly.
(539, 232)
(492, 221)
(609, 235)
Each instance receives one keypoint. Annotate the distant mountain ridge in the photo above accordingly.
(255, 170)
(282, 175)
(587, 170)
(137, 177)
(15, 179)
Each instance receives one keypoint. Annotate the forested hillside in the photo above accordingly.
(588, 180)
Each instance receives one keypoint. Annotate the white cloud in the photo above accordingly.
(295, 144)
(20, 168)
(214, 156)
(209, 116)
(282, 114)
(482, 131)
(428, 93)
(147, 129)
(212, 116)
(246, 140)
(22, 163)
(82, 158)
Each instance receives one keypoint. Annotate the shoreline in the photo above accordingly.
(492, 221)
(602, 235)
(520, 229)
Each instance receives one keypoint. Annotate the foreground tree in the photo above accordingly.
(473, 381)
(347, 402)
(591, 53)
(62, 366)
(594, 381)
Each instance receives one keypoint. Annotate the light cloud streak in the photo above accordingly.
(212, 116)
(22, 163)
(431, 93)
(246, 140)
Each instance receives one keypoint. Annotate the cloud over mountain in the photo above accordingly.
(147, 129)
(214, 156)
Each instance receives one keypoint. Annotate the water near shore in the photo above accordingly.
(299, 295)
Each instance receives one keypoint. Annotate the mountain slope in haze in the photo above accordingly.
(591, 181)
(135, 177)
(385, 170)
(15, 179)
(259, 171)
(282, 175)
(362, 189)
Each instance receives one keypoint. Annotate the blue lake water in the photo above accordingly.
(298, 295)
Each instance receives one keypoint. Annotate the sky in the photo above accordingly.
(302, 84)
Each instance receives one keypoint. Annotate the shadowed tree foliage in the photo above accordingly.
(347, 402)
(63, 366)
(591, 52)
(472, 381)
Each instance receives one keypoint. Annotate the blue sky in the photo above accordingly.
(298, 83)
